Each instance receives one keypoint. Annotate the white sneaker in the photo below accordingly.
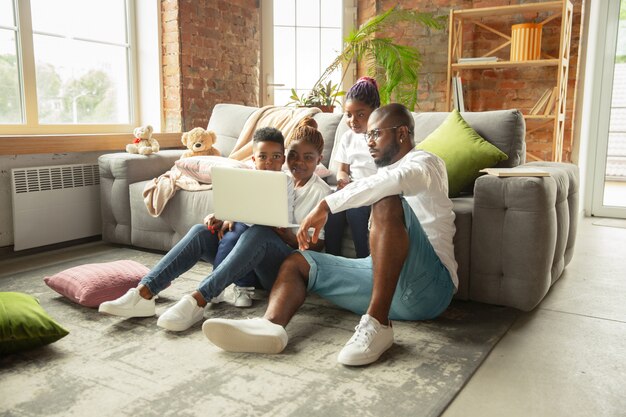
(243, 296)
(219, 299)
(182, 315)
(130, 304)
(370, 340)
(256, 335)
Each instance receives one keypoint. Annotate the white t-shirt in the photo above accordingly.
(353, 150)
(421, 178)
(307, 197)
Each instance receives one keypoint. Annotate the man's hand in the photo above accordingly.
(212, 223)
(316, 219)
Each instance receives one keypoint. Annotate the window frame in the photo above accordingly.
(28, 86)
(267, 82)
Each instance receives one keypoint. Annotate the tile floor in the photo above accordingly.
(568, 356)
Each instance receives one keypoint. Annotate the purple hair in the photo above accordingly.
(365, 90)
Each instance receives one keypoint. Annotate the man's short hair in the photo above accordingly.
(398, 115)
(268, 134)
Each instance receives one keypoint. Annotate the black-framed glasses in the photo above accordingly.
(374, 134)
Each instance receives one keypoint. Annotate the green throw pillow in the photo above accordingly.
(24, 324)
(463, 150)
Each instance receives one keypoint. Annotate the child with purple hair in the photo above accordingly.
(355, 162)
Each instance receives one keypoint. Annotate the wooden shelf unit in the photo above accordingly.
(562, 9)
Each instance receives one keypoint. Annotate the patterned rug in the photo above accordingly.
(108, 366)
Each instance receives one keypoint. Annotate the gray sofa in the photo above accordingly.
(514, 235)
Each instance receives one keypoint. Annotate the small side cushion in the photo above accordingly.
(24, 324)
(463, 150)
(92, 284)
(199, 167)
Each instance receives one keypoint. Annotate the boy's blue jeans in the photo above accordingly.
(259, 249)
(226, 246)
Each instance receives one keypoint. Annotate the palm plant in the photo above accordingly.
(394, 66)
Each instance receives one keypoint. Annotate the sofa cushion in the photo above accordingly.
(92, 284)
(505, 129)
(463, 150)
(24, 324)
(327, 124)
(227, 121)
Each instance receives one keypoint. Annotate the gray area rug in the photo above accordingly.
(108, 366)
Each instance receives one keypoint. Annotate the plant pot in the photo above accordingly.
(326, 109)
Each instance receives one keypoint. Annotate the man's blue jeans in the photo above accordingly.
(259, 249)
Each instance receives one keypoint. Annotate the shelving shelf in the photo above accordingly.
(539, 116)
(507, 64)
(562, 9)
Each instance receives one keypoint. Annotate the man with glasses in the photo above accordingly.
(410, 274)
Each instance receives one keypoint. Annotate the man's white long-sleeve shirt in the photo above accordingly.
(421, 178)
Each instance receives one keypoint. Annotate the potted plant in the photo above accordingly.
(394, 66)
(323, 96)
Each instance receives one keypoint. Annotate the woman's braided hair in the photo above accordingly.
(306, 131)
(366, 91)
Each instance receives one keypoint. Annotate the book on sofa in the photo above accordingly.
(516, 172)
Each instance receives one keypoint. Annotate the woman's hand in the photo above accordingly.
(342, 183)
(343, 176)
(316, 220)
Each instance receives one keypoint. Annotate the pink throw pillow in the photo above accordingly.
(92, 284)
(199, 167)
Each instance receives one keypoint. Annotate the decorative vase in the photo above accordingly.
(526, 41)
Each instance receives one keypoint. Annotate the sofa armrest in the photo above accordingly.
(522, 228)
(117, 172)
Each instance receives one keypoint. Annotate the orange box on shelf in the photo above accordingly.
(526, 41)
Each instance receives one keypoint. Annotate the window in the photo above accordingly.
(65, 72)
(307, 36)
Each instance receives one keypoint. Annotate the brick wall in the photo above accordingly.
(490, 88)
(211, 55)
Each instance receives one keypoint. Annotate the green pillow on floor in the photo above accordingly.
(24, 324)
(463, 150)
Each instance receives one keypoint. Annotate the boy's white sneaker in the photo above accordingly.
(370, 340)
(130, 304)
(256, 335)
(243, 296)
(182, 315)
(219, 299)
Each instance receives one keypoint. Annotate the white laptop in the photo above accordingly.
(251, 196)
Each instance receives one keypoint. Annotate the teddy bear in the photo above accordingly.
(143, 143)
(199, 142)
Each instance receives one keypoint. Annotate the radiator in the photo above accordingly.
(53, 204)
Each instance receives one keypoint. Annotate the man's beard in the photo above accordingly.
(388, 154)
